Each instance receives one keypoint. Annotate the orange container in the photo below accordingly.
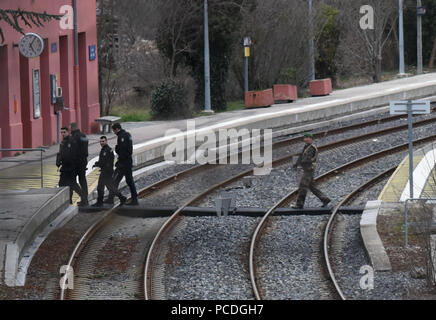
(285, 92)
(321, 87)
(259, 99)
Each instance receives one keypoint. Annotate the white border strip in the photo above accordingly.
(420, 176)
(279, 113)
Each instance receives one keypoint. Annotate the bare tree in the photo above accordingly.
(364, 48)
(145, 65)
(175, 27)
(17, 18)
(107, 26)
(279, 31)
(433, 56)
(127, 53)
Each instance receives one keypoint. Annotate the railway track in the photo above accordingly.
(154, 288)
(286, 200)
(332, 220)
(154, 235)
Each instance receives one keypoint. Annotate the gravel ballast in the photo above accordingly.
(267, 190)
(210, 255)
(290, 264)
(348, 261)
(211, 259)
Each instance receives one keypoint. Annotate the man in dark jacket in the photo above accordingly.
(65, 161)
(80, 148)
(106, 164)
(124, 149)
(307, 160)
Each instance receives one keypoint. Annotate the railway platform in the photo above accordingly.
(306, 114)
(398, 187)
(382, 224)
(150, 142)
(25, 215)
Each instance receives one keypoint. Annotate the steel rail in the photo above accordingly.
(170, 222)
(148, 270)
(369, 123)
(286, 199)
(81, 244)
(100, 222)
(317, 135)
(150, 189)
(332, 218)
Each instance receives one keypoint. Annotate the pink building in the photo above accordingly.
(28, 119)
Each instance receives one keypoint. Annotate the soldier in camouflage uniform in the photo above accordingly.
(307, 160)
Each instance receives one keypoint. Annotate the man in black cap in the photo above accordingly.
(106, 164)
(80, 143)
(307, 160)
(65, 161)
(124, 149)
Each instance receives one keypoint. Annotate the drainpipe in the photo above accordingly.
(76, 65)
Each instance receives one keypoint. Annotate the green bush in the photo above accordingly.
(170, 101)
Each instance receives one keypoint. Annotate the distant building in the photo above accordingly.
(28, 118)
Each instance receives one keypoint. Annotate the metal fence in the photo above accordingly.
(406, 216)
(41, 177)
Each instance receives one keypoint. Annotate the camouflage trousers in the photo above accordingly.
(307, 184)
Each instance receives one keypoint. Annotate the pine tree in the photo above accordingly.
(15, 18)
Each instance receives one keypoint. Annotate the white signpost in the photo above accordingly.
(410, 108)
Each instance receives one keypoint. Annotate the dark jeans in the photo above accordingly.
(68, 179)
(124, 171)
(81, 173)
(105, 180)
(307, 184)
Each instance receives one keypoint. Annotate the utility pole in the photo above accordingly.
(246, 74)
(207, 99)
(410, 125)
(247, 52)
(401, 36)
(311, 43)
(76, 65)
(419, 37)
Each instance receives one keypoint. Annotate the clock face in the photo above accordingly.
(31, 45)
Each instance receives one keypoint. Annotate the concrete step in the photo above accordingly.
(23, 215)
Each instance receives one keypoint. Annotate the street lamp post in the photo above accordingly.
(207, 98)
(76, 60)
(311, 43)
(419, 36)
(247, 47)
(401, 37)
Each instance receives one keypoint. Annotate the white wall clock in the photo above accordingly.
(31, 45)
